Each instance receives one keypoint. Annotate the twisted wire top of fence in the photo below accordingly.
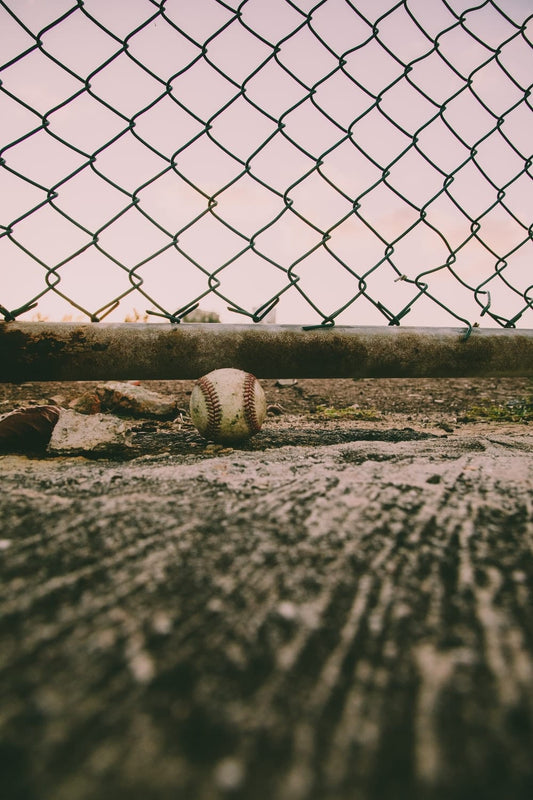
(356, 161)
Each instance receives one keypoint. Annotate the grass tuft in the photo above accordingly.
(514, 411)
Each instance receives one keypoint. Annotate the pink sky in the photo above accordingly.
(326, 83)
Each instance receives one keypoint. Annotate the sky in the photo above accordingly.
(329, 153)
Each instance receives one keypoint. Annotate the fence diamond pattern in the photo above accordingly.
(334, 161)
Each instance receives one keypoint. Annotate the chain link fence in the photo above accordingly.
(360, 162)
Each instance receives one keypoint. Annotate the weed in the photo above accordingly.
(514, 411)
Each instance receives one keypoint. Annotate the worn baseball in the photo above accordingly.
(228, 405)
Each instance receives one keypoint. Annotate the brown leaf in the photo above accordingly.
(27, 429)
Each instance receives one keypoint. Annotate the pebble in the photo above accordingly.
(285, 383)
(229, 774)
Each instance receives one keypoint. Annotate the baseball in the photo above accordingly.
(228, 405)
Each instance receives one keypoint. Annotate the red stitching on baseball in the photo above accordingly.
(249, 406)
(214, 408)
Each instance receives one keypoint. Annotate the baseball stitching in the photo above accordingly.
(250, 414)
(214, 408)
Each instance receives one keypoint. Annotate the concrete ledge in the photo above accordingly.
(89, 351)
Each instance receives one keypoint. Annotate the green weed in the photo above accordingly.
(514, 411)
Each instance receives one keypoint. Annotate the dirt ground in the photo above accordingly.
(319, 411)
(339, 609)
(449, 397)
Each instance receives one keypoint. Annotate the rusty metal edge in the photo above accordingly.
(40, 351)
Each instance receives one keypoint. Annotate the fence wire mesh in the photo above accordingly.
(322, 162)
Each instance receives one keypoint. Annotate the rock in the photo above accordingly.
(285, 383)
(275, 410)
(125, 399)
(96, 435)
(135, 401)
(27, 430)
(88, 403)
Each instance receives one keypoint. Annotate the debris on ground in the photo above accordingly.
(27, 430)
(125, 399)
(95, 435)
